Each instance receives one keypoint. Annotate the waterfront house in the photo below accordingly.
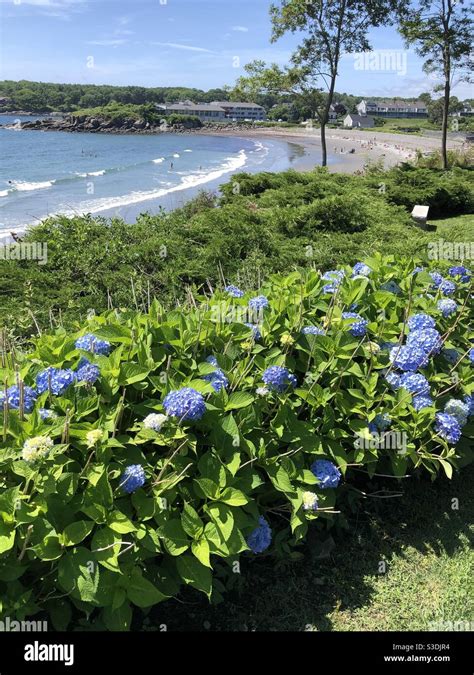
(358, 121)
(393, 108)
(237, 110)
(205, 112)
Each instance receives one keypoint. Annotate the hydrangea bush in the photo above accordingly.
(150, 451)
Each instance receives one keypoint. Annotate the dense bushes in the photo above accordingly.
(266, 223)
(157, 452)
(446, 193)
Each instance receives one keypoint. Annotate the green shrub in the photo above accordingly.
(272, 223)
(74, 543)
(189, 121)
(446, 193)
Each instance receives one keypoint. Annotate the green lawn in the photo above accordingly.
(424, 543)
(456, 228)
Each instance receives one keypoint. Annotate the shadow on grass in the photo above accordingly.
(310, 594)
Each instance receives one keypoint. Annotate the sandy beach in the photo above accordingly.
(370, 147)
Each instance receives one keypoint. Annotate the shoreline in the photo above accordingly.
(370, 147)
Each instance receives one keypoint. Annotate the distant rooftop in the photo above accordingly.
(236, 104)
(192, 106)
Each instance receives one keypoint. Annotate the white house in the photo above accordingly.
(206, 113)
(242, 111)
(393, 108)
(358, 121)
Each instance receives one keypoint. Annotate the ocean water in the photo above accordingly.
(45, 173)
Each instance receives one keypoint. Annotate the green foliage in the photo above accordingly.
(68, 529)
(46, 96)
(190, 121)
(265, 223)
(446, 193)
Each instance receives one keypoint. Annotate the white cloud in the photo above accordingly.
(240, 29)
(176, 45)
(53, 4)
(107, 43)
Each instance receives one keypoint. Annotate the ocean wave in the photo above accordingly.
(158, 161)
(188, 151)
(261, 148)
(190, 181)
(4, 193)
(27, 187)
(176, 155)
(102, 172)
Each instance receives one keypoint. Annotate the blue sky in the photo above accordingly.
(195, 43)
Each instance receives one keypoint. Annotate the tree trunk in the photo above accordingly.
(324, 150)
(444, 128)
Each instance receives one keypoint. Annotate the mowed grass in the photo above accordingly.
(402, 564)
(456, 228)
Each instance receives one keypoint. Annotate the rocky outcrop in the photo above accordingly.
(86, 124)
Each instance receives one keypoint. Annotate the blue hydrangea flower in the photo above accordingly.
(234, 292)
(361, 269)
(212, 360)
(256, 334)
(91, 343)
(447, 307)
(437, 279)
(132, 478)
(469, 401)
(381, 422)
(46, 414)
(258, 303)
(408, 357)
(278, 379)
(217, 379)
(451, 355)
(415, 383)
(358, 327)
(391, 287)
(447, 427)
(458, 409)
(88, 372)
(417, 270)
(313, 330)
(186, 404)
(471, 355)
(13, 398)
(421, 322)
(59, 379)
(460, 271)
(447, 287)
(334, 275)
(422, 401)
(428, 339)
(393, 379)
(261, 538)
(327, 474)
